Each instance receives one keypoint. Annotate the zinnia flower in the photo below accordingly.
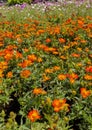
(32, 57)
(57, 30)
(3, 65)
(72, 77)
(62, 76)
(61, 40)
(59, 104)
(33, 115)
(84, 92)
(89, 69)
(48, 40)
(75, 55)
(9, 74)
(55, 68)
(37, 91)
(25, 73)
(48, 70)
(88, 77)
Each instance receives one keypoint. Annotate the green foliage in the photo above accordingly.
(13, 2)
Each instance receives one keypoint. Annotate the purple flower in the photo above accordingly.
(23, 6)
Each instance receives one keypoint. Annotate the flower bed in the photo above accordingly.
(45, 68)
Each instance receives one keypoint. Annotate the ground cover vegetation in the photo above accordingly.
(46, 66)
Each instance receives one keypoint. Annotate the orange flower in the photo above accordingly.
(62, 76)
(90, 55)
(79, 64)
(39, 32)
(61, 40)
(19, 40)
(59, 104)
(88, 77)
(18, 37)
(77, 38)
(66, 48)
(83, 41)
(1, 53)
(9, 34)
(37, 91)
(49, 129)
(1, 73)
(75, 55)
(90, 35)
(55, 52)
(72, 77)
(39, 59)
(80, 23)
(85, 93)
(25, 50)
(73, 43)
(55, 68)
(63, 57)
(48, 40)
(18, 55)
(48, 70)
(42, 47)
(52, 49)
(25, 73)
(1, 44)
(33, 115)
(1, 91)
(3, 65)
(68, 21)
(79, 49)
(8, 55)
(25, 63)
(89, 69)
(56, 30)
(32, 57)
(87, 49)
(9, 74)
(45, 78)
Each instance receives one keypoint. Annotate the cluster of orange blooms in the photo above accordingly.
(89, 71)
(57, 104)
(72, 77)
(60, 104)
(61, 43)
